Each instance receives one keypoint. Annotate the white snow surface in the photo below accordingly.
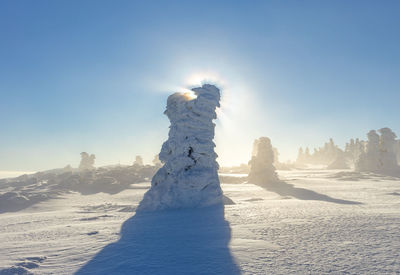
(315, 221)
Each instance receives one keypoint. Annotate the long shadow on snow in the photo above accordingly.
(184, 241)
(286, 189)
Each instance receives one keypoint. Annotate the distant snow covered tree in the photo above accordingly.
(369, 160)
(388, 150)
(138, 161)
(68, 168)
(157, 161)
(300, 156)
(322, 155)
(340, 162)
(398, 152)
(189, 177)
(360, 147)
(353, 150)
(275, 151)
(307, 154)
(87, 161)
(380, 154)
(262, 170)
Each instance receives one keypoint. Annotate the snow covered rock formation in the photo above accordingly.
(189, 176)
(262, 170)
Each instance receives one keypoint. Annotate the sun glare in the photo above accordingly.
(200, 78)
(189, 95)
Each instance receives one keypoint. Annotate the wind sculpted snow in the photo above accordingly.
(184, 241)
(189, 177)
(270, 233)
(27, 190)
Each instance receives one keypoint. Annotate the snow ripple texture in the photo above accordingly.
(189, 176)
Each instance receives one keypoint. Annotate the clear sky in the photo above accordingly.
(95, 75)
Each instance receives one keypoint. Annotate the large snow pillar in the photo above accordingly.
(189, 177)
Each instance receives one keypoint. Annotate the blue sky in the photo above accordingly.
(95, 75)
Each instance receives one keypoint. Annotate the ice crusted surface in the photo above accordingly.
(189, 176)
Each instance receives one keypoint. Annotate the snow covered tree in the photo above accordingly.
(68, 168)
(189, 177)
(353, 150)
(275, 151)
(157, 161)
(388, 150)
(398, 152)
(87, 161)
(300, 156)
(262, 170)
(322, 155)
(138, 161)
(307, 154)
(369, 160)
(340, 162)
(360, 147)
(380, 155)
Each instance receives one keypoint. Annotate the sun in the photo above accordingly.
(189, 95)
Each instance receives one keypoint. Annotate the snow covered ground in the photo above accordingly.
(315, 222)
(10, 174)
